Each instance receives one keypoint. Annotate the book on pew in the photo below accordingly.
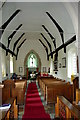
(5, 106)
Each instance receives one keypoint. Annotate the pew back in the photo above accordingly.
(77, 95)
(14, 88)
(53, 87)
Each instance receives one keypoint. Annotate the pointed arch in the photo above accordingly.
(26, 58)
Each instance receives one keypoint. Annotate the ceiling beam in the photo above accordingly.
(2, 4)
(46, 49)
(59, 29)
(66, 44)
(17, 42)
(21, 44)
(17, 53)
(52, 38)
(3, 27)
(12, 35)
(48, 44)
(19, 48)
(13, 54)
(4, 47)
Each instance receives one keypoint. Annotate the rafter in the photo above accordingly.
(12, 35)
(48, 44)
(52, 38)
(2, 4)
(66, 44)
(17, 42)
(10, 38)
(4, 47)
(59, 29)
(3, 27)
(19, 47)
(46, 49)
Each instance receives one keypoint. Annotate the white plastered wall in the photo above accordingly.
(63, 72)
(26, 48)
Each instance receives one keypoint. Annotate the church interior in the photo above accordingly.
(39, 60)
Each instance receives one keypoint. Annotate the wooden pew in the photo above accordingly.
(75, 86)
(4, 94)
(77, 95)
(39, 78)
(52, 90)
(19, 91)
(65, 110)
(76, 103)
(12, 112)
(17, 88)
(43, 80)
(52, 87)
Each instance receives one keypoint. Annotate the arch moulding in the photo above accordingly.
(39, 60)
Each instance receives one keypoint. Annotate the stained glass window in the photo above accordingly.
(32, 60)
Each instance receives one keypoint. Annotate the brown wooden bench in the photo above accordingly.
(65, 110)
(19, 91)
(4, 94)
(55, 89)
(52, 87)
(15, 88)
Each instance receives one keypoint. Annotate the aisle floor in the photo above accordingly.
(49, 108)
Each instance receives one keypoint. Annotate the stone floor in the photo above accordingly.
(49, 108)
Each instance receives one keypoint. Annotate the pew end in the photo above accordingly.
(77, 95)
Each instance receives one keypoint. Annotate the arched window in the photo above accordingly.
(72, 64)
(32, 60)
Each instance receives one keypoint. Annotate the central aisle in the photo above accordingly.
(34, 108)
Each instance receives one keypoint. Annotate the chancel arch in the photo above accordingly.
(32, 63)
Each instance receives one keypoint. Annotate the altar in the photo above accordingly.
(31, 72)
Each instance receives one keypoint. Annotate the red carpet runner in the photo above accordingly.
(34, 108)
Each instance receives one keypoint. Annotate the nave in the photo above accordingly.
(33, 106)
(39, 42)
